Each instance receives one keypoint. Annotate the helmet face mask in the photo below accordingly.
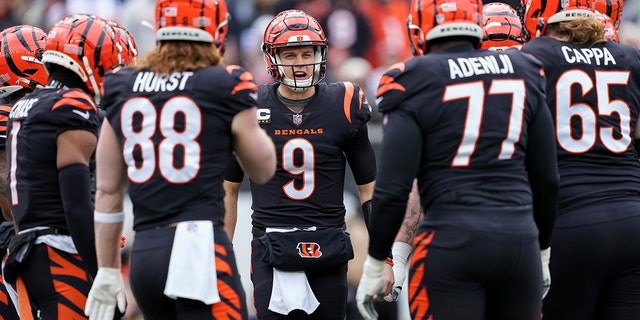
(295, 29)
(434, 19)
(20, 53)
(193, 20)
(126, 45)
(502, 26)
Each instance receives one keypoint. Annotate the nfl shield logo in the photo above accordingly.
(297, 119)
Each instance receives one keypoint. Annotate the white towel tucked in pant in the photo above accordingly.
(192, 267)
(291, 291)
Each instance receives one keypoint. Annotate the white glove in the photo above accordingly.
(106, 292)
(371, 284)
(545, 256)
(400, 252)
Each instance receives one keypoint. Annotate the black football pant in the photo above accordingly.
(476, 265)
(56, 282)
(595, 264)
(150, 256)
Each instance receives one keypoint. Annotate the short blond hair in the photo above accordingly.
(581, 31)
(178, 56)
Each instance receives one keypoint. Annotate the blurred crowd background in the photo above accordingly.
(365, 36)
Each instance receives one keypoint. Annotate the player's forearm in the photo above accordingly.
(108, 244)
(412, 217)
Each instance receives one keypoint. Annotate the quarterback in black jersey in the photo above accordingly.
(172, 122)
(317, 128)
(472, 126)
(52, 133)
(20, 53)
(593, 93)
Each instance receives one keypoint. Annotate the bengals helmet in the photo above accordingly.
(192, 20)
(291, 28)
(502, 26)
(84, 44)
(609, 30)
(433, 19)
(613, 10)
(537, 16)
(21, 50)
(126, 45)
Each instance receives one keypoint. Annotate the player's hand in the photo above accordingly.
(545, 256)
(106, 293)
(123, 241)
(401, 252)
(387, 275)
(371, 284)
(399, 276)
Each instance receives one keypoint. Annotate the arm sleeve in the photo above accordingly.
(399, 162)
(75, 190)
(233, 171)
(361, 157)
(542, 167)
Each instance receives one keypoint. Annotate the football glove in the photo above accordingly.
(106, 293)
(401, 252)
(545, 256)
(371, 284)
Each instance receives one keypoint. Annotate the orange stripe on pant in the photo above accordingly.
(24, 304)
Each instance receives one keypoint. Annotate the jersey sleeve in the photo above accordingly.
(242, 88)
(4, 117)
(390, 92)
(75, 109)
(355, 106)
(233, 171)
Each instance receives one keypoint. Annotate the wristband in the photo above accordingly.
(114, 217)
(401, 251)
(389, 261)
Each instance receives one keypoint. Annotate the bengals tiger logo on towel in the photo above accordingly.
(309, 250)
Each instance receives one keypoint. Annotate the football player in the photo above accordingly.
(51, 135)
(317, 127)
(502, 27)
(472, 126)
(172, 122)
(593, 92)
(21, 50)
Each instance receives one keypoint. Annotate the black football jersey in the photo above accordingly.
(308, 186)
(594, 97)
(34, 124)
(175, 132)
(473, 108)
